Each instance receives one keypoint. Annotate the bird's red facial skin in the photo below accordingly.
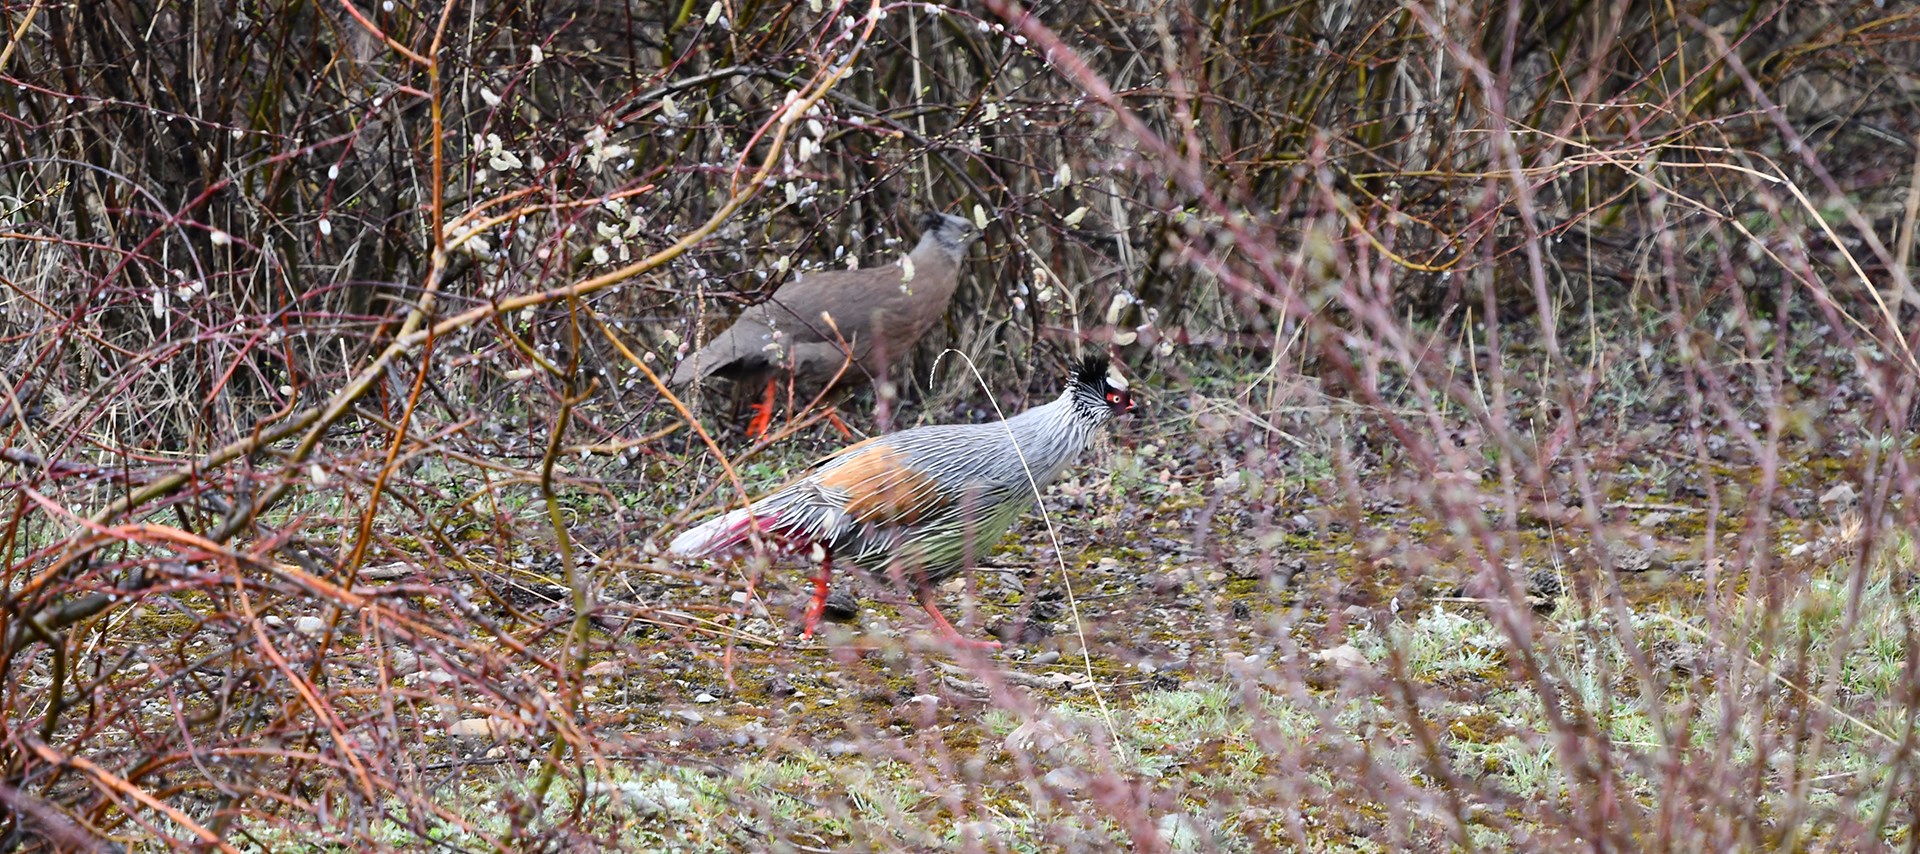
(1121, 401)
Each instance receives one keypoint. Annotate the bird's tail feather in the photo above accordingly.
(720, 532)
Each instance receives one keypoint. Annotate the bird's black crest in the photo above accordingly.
(928, 221)
(1092, 373)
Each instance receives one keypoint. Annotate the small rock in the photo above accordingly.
(606, 670)
(273, 621)
(387, 572)
(1841, 494)
(1635, 560)
(687, 716)
(310, 625)
(779, 687)
(1065, 779)
(402, 661)
(841, 606)
(704, 697)
(1357, 613)
(479, 728)
(1345, 656)
(1049, 657)
(1034, 736)
(437, 677)
(1023, 632)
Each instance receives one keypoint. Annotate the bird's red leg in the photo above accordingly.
(946, 628)
(833, 417)
(762, 413)
(818, 606)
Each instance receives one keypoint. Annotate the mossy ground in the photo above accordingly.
(1226, 641)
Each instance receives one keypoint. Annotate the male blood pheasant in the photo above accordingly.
(926, 501)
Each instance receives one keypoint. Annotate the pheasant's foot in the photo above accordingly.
(833, 417)
(946, 629)
(818, 605)
(762, 413)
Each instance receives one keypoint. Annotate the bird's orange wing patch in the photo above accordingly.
(880, 488)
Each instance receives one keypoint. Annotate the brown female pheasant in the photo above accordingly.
(926, 501)
(878, 315)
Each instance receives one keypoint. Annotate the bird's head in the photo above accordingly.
(949, 232)
(1099, 391)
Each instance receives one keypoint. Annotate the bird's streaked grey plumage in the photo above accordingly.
(933, 499)
(879, 311)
